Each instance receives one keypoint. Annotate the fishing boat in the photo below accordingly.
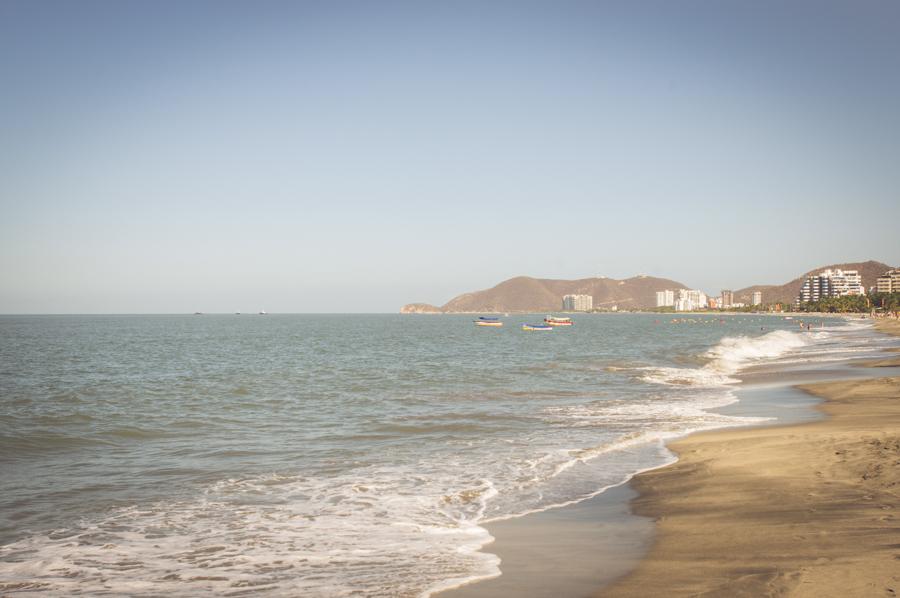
(482, 321)
(536, 327)
(554, 321)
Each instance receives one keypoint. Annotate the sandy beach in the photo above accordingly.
(799, 510)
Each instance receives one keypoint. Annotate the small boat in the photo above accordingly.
(263, 313)
(482, 321)
(536, 327)
(553, 321)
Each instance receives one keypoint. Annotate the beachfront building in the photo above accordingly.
(814, 288)
(757, 298)
(846, 282)
(665, 298)
(698, 298)
(727, 299)
(889, 282)
(830, 283)
(689, 300)
(578, 303)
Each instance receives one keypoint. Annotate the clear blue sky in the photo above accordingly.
(337, 156)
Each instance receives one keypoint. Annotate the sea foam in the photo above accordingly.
(339, 476)
(728, 357)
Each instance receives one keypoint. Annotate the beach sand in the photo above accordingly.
(799, 510)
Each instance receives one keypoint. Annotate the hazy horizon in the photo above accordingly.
(255, 311)
(352, 157)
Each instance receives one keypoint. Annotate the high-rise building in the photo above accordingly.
(889, 282)
(846, 282)
(665, 298)
(578, 303)
(814, 288)
(727, 299)
(830, 283)
(757, 298)
(689, 300)
(698, 298)
(584, 303)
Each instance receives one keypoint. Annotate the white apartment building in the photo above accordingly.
(757, 298)
(689, 300)
(846, 282)
(578, 303)
(830, 283)
(665, 298)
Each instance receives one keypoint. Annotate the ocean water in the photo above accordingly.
(327, 455)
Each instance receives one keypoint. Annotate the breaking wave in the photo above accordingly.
(376, 488)
(728, 357)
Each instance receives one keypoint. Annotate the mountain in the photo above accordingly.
(787, 292)
(526, 294)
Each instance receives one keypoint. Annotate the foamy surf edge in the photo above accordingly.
(727, 358)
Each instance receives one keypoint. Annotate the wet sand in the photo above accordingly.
(569, 552)
(798, 510)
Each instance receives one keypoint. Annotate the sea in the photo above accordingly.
(342, 455)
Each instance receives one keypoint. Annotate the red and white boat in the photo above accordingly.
(554, 321)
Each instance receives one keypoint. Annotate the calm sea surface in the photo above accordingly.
(318, 455)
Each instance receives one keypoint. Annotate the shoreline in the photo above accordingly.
(530, 561)
(563, 551)
(803, 510)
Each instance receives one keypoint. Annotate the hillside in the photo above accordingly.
(786, 292)
(526, 294)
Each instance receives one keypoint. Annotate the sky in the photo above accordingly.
(172, 157)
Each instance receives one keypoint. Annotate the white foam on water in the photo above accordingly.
(410, 528)
(279, 535)
(405, 530)
(728, 357)
(733, 353)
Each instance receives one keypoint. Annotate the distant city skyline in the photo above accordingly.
(354, 157)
